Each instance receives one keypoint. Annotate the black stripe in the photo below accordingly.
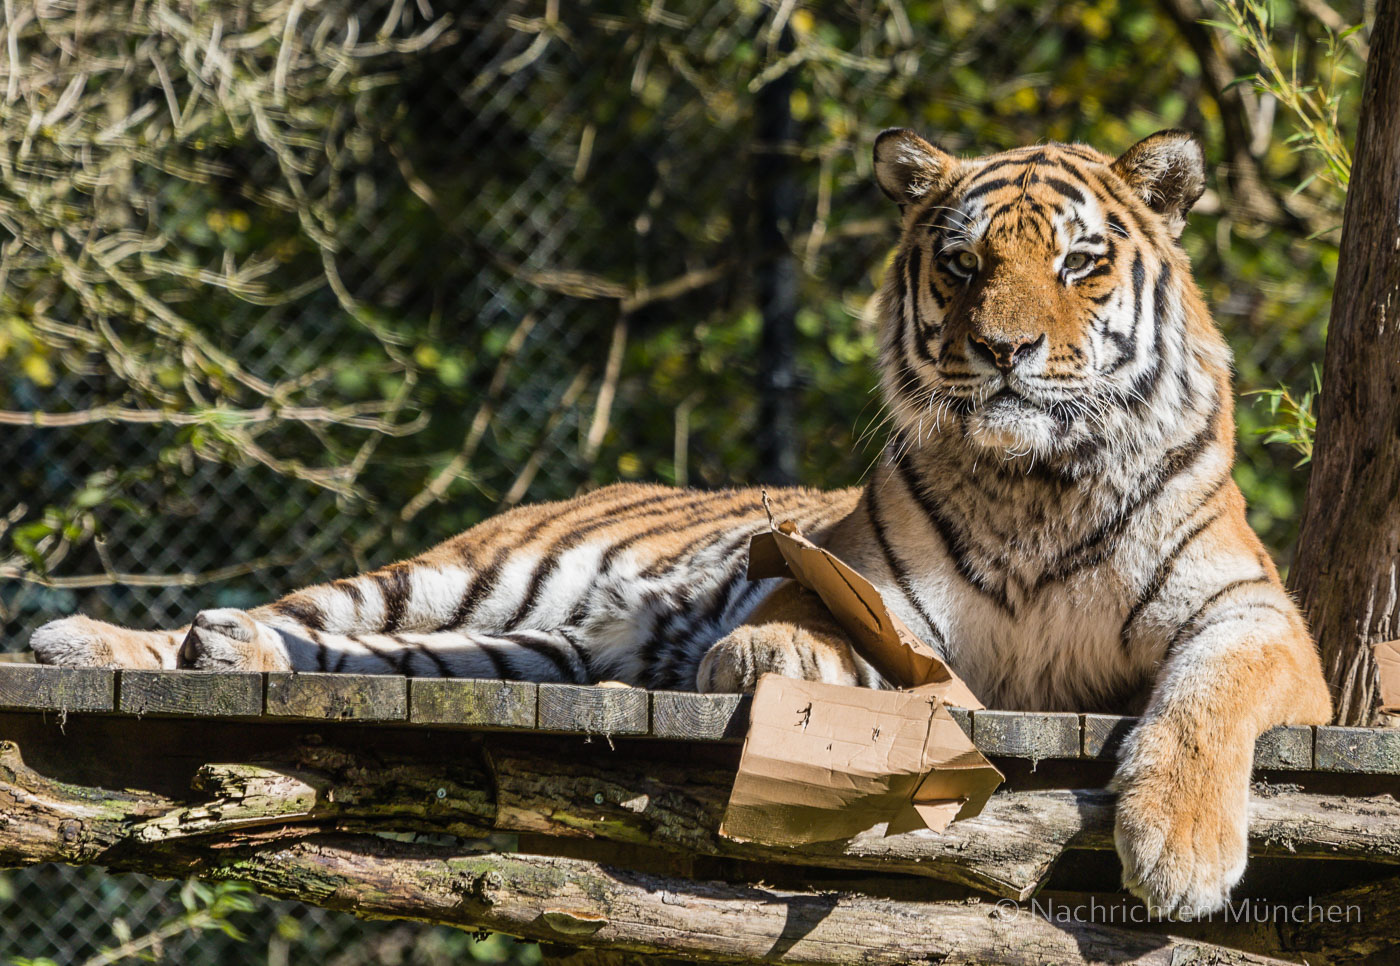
(956, 547)
(1129, 204)
(877, 526)
(547, 651)
(375, 651)
(701, 543)
(987, 187)
(1230, 614)
(749, 507)
(1144, 387)
(1082, 154)
(1162, 574)
(405, 658)
(431, 654)
(581, 653)
(1188, 625)
(667, 673)
(350, 589)
(498, 661)
(662, 627)
(303, 611)
(1063, 187)
(914, 266)
(396, 584)
(1127, 345)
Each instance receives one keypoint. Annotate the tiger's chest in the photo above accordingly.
(1061, 650)
(1019, 642)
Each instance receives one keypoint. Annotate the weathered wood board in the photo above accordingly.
(604, 711)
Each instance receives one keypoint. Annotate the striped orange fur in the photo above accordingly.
(1055, 513)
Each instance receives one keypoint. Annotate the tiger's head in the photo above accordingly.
(1039, 305)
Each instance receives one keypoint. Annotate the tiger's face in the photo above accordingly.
(1031, 298)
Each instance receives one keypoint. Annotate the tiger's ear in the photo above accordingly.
(1168, 172)
(907, 167)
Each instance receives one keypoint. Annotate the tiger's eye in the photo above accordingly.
(967, 261)
(1074, 261)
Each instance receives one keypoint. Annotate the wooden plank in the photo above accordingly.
(691, 716)
(1371, 750)
(1287, 747)
(1104, 734)
(1026, 735)
(470, 702)
(337, 697)
(964, 719)
(593, 710)
(38, 687)
(214, 694)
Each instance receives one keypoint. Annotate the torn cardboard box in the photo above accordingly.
(1388, 669)
(825, 761)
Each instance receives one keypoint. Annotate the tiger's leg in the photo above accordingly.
(80, 641)
(789, 633)
(233, 640)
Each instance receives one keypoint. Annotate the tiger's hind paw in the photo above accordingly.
(76, 641)
(80, 641)
(228, 639)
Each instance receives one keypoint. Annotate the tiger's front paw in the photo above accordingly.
(1182, 823)
(228, 639)
(737, 661)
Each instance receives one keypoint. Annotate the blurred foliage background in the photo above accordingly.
(289, 288)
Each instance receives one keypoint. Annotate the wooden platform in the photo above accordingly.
(481, 705)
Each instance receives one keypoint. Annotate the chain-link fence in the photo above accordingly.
(70, 916)
(289, 288)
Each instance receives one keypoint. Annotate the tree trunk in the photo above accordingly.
(1347, 570)
(776, 204)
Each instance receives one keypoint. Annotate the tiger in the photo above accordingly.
(1054, 513)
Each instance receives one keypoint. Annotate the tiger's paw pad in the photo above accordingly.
(76, 641)
(228, 639)
(736, 663)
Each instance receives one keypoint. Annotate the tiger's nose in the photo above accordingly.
(1003, 354)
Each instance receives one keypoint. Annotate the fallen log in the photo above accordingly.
(1008, 850)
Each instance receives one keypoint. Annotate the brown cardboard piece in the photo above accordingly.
(826, 761)
(1388, 668)
(878, 635)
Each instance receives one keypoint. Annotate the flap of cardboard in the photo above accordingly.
(826, 761)
(878, 635)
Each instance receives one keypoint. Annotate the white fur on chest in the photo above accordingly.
(1062, 651)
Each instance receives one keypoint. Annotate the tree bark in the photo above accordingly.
(1347, 570)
